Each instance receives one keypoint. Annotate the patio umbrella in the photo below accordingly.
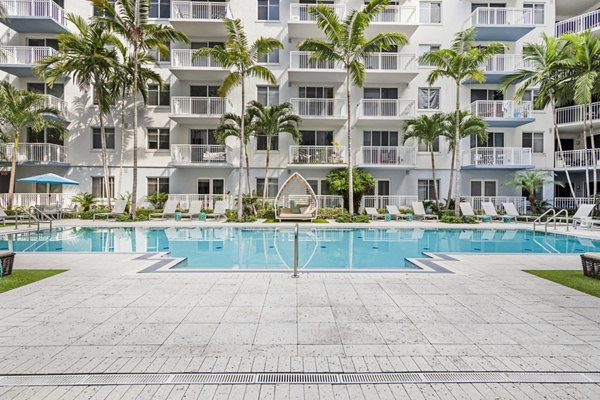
(50, 179)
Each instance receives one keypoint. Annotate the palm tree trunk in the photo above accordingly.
(585, 154)
(450, 181)
(456, 147)
(122, 149)
(135, 131)
(266, 185)
(594, 157)
(13, 170)
(242, 147)
(105, 171)
(349, 138)
(435, 189)
(557, 134)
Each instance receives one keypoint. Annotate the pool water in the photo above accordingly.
(272, 248)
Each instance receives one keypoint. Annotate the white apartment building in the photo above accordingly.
(177, 149)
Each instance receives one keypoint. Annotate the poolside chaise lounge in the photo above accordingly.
(591, 264)
(117, 210)
(394, 211)
(419, 211)
(305, 213)
(467, 210)
(219, 210)
(4, 217)
(512, 211)
(195, 209)
(372, 213)
(490, 210)
(169, 209)
(582, 216)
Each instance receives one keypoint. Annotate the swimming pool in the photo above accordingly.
(272, 248)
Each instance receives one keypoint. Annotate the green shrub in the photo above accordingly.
(320, 221)
(85, 200)
(90, 213)
(362, 219)
(158, 200)
(443, 213)
(330, 213)
(231, 216)
(143, 214)
(343, 218)
(452, 219)
(266, 213)
(471, 220)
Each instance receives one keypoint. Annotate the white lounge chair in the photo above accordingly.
(394, 211)
(117, 210)
(372, 213)
(195, 209)
(467, 210)
(219, 210)
(4, 217)
(490, 210)
(169, 209)
(582, 216)
(419, 211)
(511, 210)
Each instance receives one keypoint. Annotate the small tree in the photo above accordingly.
(362, 182)
(532, 181)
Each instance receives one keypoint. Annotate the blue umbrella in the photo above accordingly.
(51, 179)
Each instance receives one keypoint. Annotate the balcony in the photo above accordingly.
(317, 156)
(195, 155)
(501, 65)
(382, 112)
(320, 112)
(580, 23)
(193, 110)
(199, 18)
(384, 201)
(58, 104)
(187, 68)
(577, 159)
(497, 158)
(34, 16)
(386, 157)
(503, 113)
(391, 67)
(35, 154)
(19, 60)
(303, 68)
(303, 25)
(501, 24)
(570, 119)
(395, 19)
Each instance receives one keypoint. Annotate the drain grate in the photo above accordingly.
(297, 378)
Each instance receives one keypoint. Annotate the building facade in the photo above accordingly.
(177, 149)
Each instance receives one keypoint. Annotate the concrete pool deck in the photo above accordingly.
(102, 316)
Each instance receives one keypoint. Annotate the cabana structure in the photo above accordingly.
(296, 200)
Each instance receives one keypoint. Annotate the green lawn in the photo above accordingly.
(572, 279)
(22, 277)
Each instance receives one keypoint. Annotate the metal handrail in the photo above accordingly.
(295, 274)
(555, 218)
(45, 217)
(539, 219)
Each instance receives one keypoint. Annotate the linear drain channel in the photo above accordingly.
(297, 378)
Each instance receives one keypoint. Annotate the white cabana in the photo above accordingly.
(296, 200)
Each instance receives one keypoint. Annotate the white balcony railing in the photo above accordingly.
(303, 60)
(572, 203)
(317, 154)
(577, 158)
(199, 106)
(27, 200)
(56, 103)
(208, 200)
(384, 108)
(301, 12)
(579, 24)
(387, 156)
(24, 55)
(330, 201)
(183, 58)
(198, 154)
(496, 156)
(577, 114)
(383, 201)
(504, 109)
(35, 9)
(318, 108)
(399, 62)
(519, 202)
(507, 63)
(500, 16)
(200, 10)
(396, 15)
(35, 153)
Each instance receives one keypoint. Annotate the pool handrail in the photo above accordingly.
(539, 219)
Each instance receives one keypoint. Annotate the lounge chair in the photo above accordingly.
(490, 210)
(591, 264)
(117, 210)
(372, 213)
(419, 211)
(582, 216)
(169, 209)
(4, 217)
(394, 211)
(195, 209)
(219, 210)
(307, 213)
(467, 210)
(511, 210)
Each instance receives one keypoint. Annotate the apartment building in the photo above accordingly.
(177, 149)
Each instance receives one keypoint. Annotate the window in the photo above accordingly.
(534, 141)
(211, 186)
(268, 10)
(98, 186)
(430, 12)
(267, 95)
(157, 185)
(48, 135)
(380, 138)
(537, 11)
(98, 12)
(272, 58)
(202, 136)
(48, 42)
(159, 95)
(57, 90)
(158, 138)
(162, 58)
(110, 138)
(160, 9)
(311, 92)
(382, 188)
(494, 139)
(319, 186)
(429, 99)
(426, 48)
(532, 95)
(486, 94)
(483, 188)
(317, 138)
(422, 147)
(426, 191)
(272, 189)
(261, 142)
(204, 91)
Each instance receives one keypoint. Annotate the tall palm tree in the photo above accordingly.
(532, 181)
(21, 109)
(427, 129)
(89, 55)
(270, 122)
(241, 59)
(464, 60)
(547, 62)
(130, 19)
(347, 45)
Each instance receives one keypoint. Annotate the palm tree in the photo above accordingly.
(532, 181)
(547, 61)
(241, 59)
(464, 60)
(347, 45)
(427, 129)
(270, 122)
(89, 55)
(130, 19)
(21, 109)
